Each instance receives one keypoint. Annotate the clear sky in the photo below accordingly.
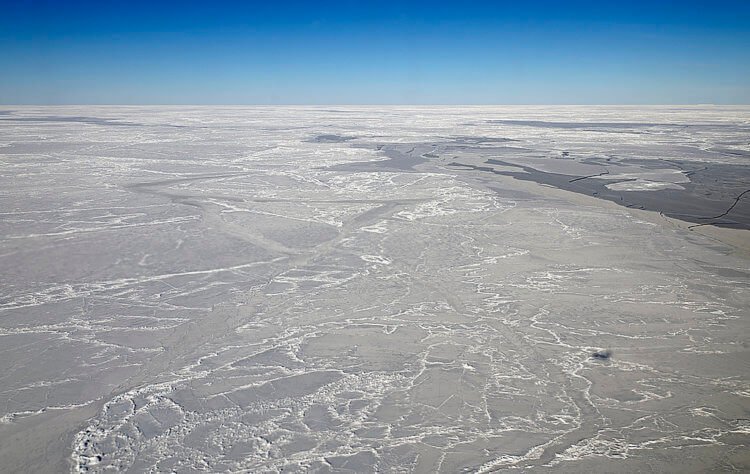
(379, 52)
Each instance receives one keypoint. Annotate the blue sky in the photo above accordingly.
(347, 52)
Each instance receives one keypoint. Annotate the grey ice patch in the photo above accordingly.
(401, 157)
(713, 194)
(332, 138)
(69, 119)
(579, 125)
(478, 140)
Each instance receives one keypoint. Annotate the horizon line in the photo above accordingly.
(703, 104)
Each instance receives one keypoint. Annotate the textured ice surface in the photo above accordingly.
(295, 289)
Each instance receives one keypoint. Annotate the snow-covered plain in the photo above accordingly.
(361, 289)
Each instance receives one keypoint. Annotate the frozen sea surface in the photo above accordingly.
(374, 289)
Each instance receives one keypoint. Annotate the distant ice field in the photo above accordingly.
(374, 289)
